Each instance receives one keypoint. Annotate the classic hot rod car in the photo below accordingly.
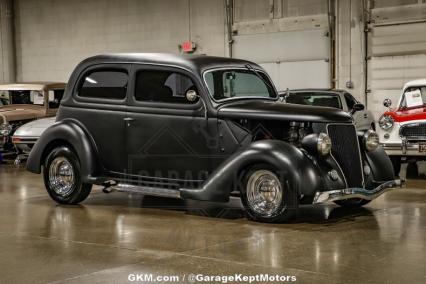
(203, 128)
(23, 102)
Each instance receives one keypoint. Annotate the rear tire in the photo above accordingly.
(62, 177)
(267, 197)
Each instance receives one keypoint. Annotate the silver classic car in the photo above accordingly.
(340, 99)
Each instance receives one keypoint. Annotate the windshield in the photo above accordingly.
(314, 99)
(30, 98)
(414, 97)
(238, 83)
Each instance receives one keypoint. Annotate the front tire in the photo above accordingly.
(62, 177)
(267, 197)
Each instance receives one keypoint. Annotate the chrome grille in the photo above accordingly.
(413, 131)
(345, 150)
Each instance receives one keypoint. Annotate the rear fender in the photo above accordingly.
(71, 133)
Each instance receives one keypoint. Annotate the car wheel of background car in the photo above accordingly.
(62, 177)
(352, 203)
(412, 171)
(265, 197)
(396, 163)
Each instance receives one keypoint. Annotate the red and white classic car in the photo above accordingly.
(403, 127)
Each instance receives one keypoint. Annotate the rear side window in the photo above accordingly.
(163, 86)
(104, 84)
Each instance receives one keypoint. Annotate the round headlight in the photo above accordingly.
(323, 144)
(371, 140)
(5, 129)
(386, 122)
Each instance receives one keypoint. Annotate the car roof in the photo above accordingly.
(190, 62)
(315, 90)
(32, 86)
(414, 83)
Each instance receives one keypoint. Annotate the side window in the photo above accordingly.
(55, 98)
(104, 84)
(350, 101)
(162, 86)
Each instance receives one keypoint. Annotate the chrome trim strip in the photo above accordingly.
(147, 190)
(348, 193)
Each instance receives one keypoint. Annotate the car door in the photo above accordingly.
(362, 118)
(100, 106)
(168, 137)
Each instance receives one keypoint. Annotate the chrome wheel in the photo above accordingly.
(61, 176)
(264, 193)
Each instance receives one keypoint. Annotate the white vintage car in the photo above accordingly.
(27, 135)
(403, 127)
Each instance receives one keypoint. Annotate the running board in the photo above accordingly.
(147, 190)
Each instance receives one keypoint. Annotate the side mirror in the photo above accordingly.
(191, 96)
(387, 102)
(358, 107)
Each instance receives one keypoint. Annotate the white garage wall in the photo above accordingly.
(52, 36)
(397, 50)
(293, 59)
(289, 38)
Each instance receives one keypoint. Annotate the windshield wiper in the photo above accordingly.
(250, 68)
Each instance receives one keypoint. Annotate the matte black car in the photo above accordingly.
(203, 128)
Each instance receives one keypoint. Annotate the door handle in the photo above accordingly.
(128, 121)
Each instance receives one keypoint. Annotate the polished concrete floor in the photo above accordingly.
(111, 236)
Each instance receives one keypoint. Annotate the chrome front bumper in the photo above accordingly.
(348, 193)
(406, 148)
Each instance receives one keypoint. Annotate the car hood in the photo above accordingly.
(282, 111)
(12, 113)
(408, 114)
(35, 128)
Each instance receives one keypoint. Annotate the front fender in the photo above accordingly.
(381, 166)
(68, 132)
(298, 170)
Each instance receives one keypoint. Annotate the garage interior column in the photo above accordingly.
(7, 48)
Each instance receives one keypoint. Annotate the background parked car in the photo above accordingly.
(403, 128)
(27, 135)
(24, 102)
(340, 99)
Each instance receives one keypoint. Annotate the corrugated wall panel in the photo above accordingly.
(294, 59)
(397, 48)
(299, 74)
(283, 46)
(398, 39)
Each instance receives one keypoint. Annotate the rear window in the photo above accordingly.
(314, 99)
(104, 84)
